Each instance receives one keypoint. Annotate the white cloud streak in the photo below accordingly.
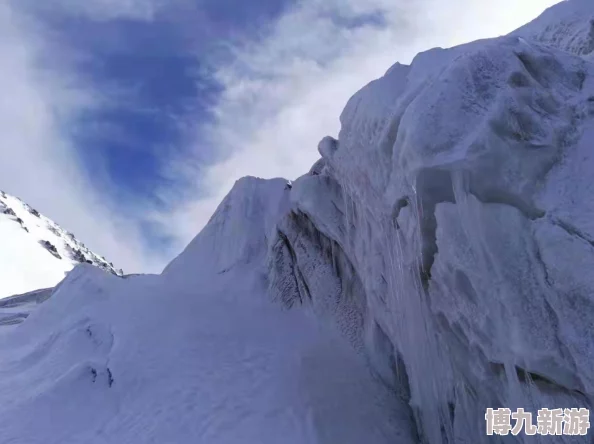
(38, 164)
(282, 92)
(285, 90)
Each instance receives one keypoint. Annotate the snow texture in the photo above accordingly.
(455, 211)
(436, 261)
(194, 355)
(35, 252)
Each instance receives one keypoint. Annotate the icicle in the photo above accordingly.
(333, 253)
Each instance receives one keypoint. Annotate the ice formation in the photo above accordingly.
(436, 261)
(453, 214)
(196, 355)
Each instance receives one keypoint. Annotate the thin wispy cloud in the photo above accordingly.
(128, 121)
(38, 163)
(283, 89)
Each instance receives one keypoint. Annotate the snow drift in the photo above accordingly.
(434, 262)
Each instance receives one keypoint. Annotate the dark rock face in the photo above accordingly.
(33, 211)
(76, 254)
(51, 248)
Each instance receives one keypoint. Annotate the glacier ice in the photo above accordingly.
(434, 262)
(458, 195)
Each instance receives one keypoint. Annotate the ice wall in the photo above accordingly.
(449, 230)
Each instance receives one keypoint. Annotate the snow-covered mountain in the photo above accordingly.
(436, 261)
(36, 252)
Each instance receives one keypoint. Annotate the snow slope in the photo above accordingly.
(190, 357)
(568, 27)
(35, 252)
(434, 262)
(15, 309)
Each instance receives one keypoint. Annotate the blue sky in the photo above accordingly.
(155, 75)
(161, 68)
(127, 121)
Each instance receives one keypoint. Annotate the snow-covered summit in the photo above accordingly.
(568, 26)
(35, 252)
(435, 262)
(236, 232)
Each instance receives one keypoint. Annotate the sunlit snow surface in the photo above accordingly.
(35, 252)
(435, 262)
(190, 356)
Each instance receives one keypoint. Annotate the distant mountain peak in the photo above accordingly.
(35, 251)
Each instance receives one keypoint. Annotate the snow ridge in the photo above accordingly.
(36, 252)
(568, 27)
(435, 262)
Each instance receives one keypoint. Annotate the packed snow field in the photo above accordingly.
(436, 261)
(153, 360)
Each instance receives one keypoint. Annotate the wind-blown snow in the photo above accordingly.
(436, 261)
(35, 252)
